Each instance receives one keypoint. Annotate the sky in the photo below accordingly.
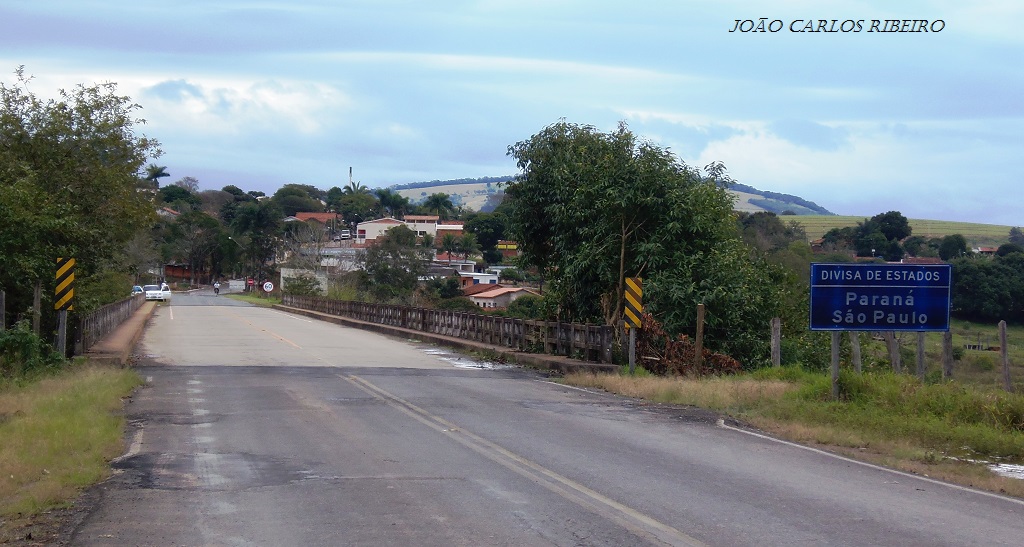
(822, 104)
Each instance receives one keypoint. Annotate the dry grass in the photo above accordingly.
(768, 405)
(713, 393)
(58, 436)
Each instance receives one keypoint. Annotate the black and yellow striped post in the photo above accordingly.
(634, 301)
(634, 307)
(63, 299)
(65, 291)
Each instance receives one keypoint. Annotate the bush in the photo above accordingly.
(460, 303)
(527, 307)
(22, 353)
(303, 285)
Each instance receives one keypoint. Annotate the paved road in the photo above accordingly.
(257, 427)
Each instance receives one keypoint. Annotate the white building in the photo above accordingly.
(372, 229)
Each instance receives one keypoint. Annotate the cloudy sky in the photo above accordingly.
(260, 93)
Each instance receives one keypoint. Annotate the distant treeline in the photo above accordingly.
(481, 180)
(787, 198)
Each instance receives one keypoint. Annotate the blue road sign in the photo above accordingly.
(880, 297)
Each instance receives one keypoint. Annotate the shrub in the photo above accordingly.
(527, 307)
(303, 284)
(460, 303)
(23, 353)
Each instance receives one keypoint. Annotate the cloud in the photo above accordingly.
(238, 106)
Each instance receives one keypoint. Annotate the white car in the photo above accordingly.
(157, 292)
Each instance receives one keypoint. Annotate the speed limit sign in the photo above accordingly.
(268, 286)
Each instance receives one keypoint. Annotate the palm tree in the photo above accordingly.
(467, 245)
(391, 202)
(440, 204)
(355, 188)
(154, 172)
(449, 244)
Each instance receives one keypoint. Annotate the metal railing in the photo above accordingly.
(585, 342)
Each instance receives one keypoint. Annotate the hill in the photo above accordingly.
(977, 235)
(473, 194)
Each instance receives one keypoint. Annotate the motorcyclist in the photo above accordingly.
(216, 288)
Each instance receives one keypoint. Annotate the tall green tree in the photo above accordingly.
(440, 204)
(69, 173)
(590, 209)
(260, 223)
(390, 203)
(154, 173)
(393, 265)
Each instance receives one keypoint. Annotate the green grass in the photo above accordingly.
(976, 234)
(59, 434)
(259, 299)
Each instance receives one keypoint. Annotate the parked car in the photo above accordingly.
(158, 292)
(346, 234)
(137, 289)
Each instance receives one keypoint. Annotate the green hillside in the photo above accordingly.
(977, 235)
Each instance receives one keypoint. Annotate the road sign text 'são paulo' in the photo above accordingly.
(880, 297)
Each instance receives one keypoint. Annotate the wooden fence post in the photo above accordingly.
(37, 306)
(836, 340)
(947, 355)
(1007, 385)
(920, 356)
(855, 350)
(698, 357)
(894, 350)
(776, 341)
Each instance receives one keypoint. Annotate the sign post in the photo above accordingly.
(634, 307)
(63, 296)
(879, 297)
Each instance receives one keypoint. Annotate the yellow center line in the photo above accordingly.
(623, 515)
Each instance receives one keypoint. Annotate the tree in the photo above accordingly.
(467, 245)
(356, 188)
(440, 204)
(591, 208)
(260, 222)
(893, 225)
(952, 246)
(189, 183)
(1008, 248)
(294, 198)
(1017, 236)
(391, 203)
(393, 265)
(179, 197)
(450, 245)
(69, 174)
(154, 173)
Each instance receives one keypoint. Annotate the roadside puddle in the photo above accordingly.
(464, 361)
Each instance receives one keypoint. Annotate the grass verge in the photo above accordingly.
(946, 430)
(266, 301)
(59, 434)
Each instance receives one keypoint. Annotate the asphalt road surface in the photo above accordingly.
(257, 427)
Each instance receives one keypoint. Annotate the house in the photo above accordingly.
(477, 289)
(329, 219)
(433, 225)
(500, 297)
(467, 279)
(509, 249)
(372, 229)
